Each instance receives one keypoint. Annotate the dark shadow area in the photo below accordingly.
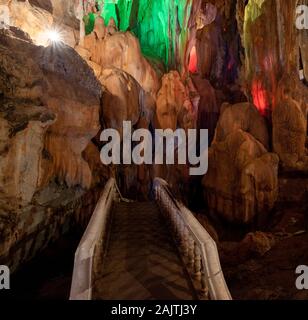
(48, 276)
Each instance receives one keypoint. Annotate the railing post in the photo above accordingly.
(197, 265)
(204, 285)
(186, 242)
(191, 253)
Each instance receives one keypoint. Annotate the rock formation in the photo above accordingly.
(172, 101)
(248, 186)
(122, 99)
(122, 51)
(23, 129)
(49, 112)
(290, 124)
(41, 85)
(242, 116)
(38, 17)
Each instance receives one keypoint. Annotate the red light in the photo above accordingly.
(259, 95)
(192, 67)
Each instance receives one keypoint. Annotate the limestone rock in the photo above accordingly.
(23, 127)
(173, 103)
(121, 50)
(37, 17)
(63, 83)
(100, 172)
(242, 116)
(257, 243)
(122, 99)
(209, 45)
(208, 109)
(248, 186)
(290, 124)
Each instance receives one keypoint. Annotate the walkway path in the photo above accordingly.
(142, 261)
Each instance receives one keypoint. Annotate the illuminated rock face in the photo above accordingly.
(122, 51)
(275, 55)
(126, 43)
(162, 27)
(172, 101)
(208, 106)
(122, 99)
(37, 17)
(23, 128)
(272, 46)
(47, 133)
(262, 59)
(49, 112)
(242, 181)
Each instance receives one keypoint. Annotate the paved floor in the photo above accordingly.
(142, 261)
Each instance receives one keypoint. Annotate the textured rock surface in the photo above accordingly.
(273, 47)
(55, 210)
(208, 107)
(257, 243)
(23, 128)
(120, 50)
(100, 172)
(242, 181)
(164, 28)
(172, 101)
(42, 78)
(122, 99)
(242, 116)
(52, 110)
(261, 63)
(49, 112)
(37, 17)
(290, 124)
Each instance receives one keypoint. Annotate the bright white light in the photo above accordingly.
(53, 36)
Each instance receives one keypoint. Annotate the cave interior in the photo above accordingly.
(71, 69)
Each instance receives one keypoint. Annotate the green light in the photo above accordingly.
(160, 25)
(89, 22)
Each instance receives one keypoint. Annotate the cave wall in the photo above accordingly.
(272, 47)
(270, 79)
(37, 17)
(162, 27)
(159, 64)
(49, 113)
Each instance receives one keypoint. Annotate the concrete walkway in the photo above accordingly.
(142, 261)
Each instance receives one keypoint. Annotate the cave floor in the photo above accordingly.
(272, 276)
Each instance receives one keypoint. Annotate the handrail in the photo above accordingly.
(82, 280)
(198, 248)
